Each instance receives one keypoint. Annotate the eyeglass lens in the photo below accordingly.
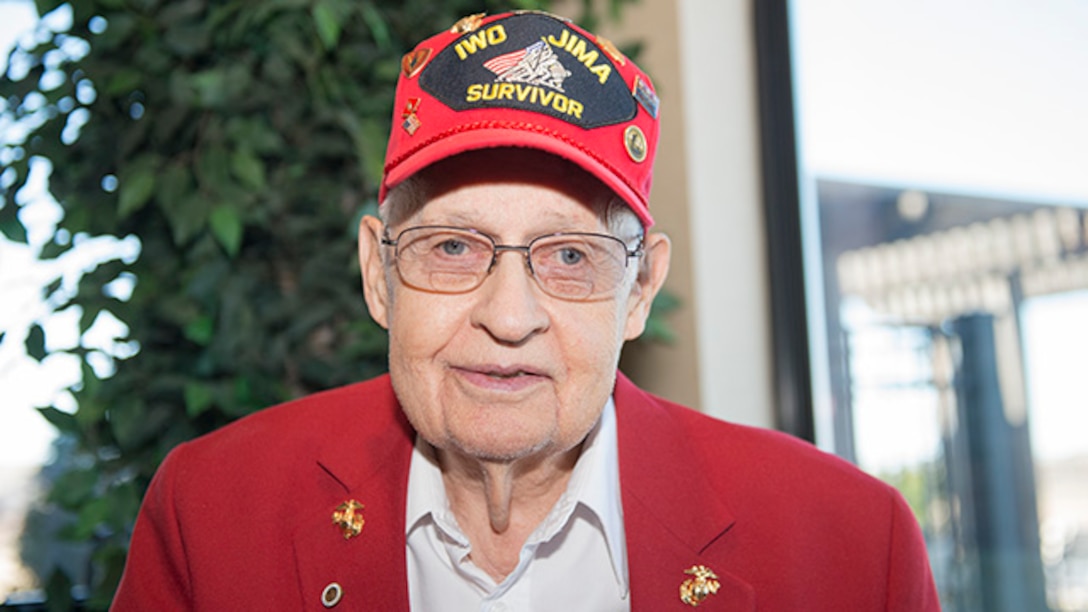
(570, 266)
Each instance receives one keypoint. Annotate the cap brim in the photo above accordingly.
(492, 137)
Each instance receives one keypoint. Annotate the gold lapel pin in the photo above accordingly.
(348, 516)
(702, 584)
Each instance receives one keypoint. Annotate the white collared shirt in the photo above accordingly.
(576, 559)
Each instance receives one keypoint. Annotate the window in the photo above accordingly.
(929, 237)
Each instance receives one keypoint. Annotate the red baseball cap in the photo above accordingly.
(526, 79)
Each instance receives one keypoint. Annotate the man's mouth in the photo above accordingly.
(503, 375)
(514, 374)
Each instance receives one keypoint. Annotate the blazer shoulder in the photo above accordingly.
(750, 462)
(362, 413)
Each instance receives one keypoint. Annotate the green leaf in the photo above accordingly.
(52, 287)
(137, 184)
(213, 166)
(35, 342)
(226, 225)
(248, 168)
(10, 225)
(53, 250)
(90, 412)
(91, 384)
(378, 28)
(198, 398)
(180, 12)
(187, 40)
(123, 81)
(119, 32)
(327, 23)
(187, 217)
(63, 421)
(74, 488)
(370, 147)
(201, 331)
(92, 514)
(255, 134)
(211, 87)
(125, 501)
(88, 317)
(175, 184)
(136, 421)
(47, 6)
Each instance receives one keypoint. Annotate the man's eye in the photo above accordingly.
(570, 256)
(453, 247)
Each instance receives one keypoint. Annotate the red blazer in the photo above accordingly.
(241, 518)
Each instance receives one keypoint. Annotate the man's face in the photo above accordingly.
(504, 371)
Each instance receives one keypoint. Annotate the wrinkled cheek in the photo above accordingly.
(410, 347)
(597, 354)
(413, 386)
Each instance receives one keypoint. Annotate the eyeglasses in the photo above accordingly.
(569, 265)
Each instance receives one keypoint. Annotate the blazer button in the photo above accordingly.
(331, 595)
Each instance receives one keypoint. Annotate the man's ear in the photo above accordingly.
(375, 288)
(653, 269)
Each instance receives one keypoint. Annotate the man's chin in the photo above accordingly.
(503, 452)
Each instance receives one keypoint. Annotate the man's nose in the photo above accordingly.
(509, 305)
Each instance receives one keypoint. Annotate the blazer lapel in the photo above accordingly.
(671, 513)
(366, 459)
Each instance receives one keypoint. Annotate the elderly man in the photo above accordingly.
(503, 464)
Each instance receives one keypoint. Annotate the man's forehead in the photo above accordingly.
(545, 205)
(544, 219)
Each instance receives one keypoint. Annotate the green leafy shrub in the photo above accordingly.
(239, 143)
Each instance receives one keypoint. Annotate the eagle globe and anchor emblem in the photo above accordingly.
(536, 64)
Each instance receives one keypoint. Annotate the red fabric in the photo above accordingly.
(784, 525)
(241, 519)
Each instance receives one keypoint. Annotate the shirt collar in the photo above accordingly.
(594, 483)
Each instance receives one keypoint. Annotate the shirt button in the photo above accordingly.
(331, 595)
